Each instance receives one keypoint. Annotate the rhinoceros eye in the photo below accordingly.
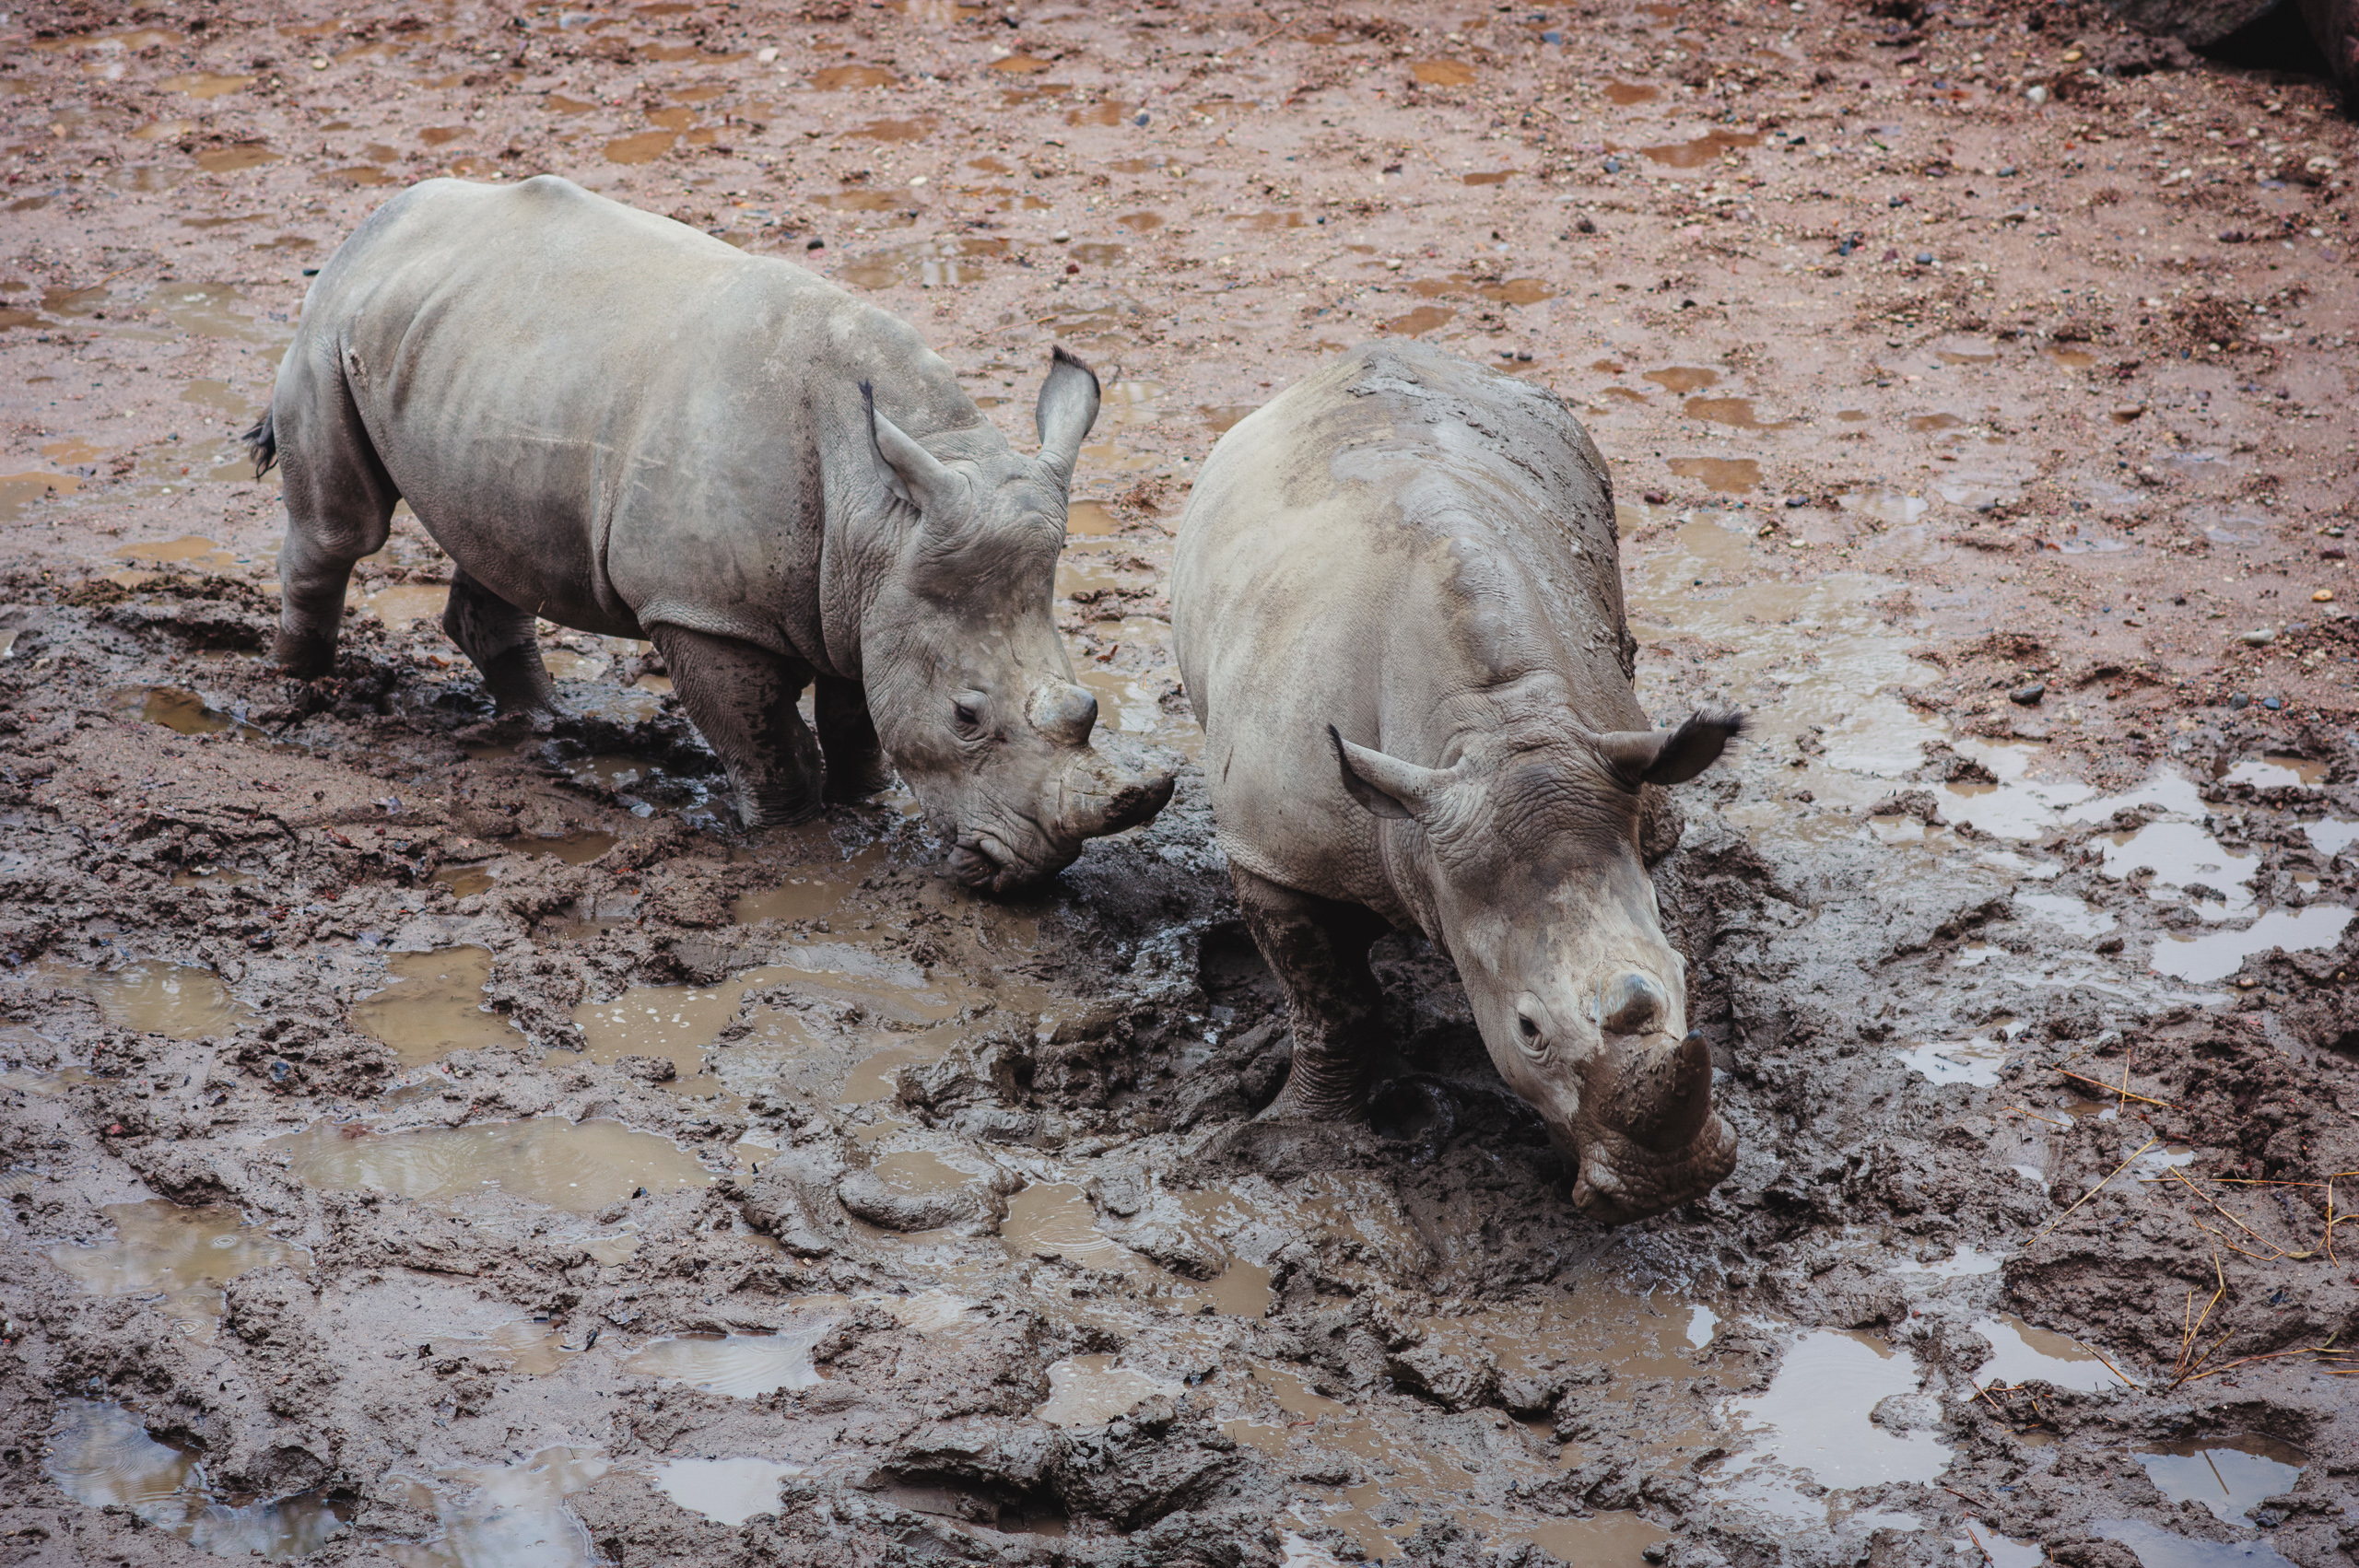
(1532, 1026)
(967, 715)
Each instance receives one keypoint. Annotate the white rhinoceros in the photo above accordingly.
(621, 425)
(1397, 609)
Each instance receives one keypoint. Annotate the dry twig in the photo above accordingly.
(2099, 1188)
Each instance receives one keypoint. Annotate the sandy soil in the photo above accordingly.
(431, 1141)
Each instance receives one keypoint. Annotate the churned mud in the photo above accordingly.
(433, 1140)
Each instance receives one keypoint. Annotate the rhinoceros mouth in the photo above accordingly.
(982, 862)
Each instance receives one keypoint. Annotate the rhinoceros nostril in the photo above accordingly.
(1632, 1005)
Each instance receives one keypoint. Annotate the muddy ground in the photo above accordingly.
(431, 1140)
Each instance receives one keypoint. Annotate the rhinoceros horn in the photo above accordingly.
(1095, 798)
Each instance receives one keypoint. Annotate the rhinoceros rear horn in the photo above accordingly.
(1385, 786)
(1068, 407)
(1669, 757)
(910, 472)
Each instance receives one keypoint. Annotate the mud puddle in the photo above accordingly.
(182, 1256)
(100, 1455)
(727, 1491)
(513, 1513)
(740, 1366)
(580, 1167)
(432, 1005)
(180, 1000)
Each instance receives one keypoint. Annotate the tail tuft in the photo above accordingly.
(261, 444)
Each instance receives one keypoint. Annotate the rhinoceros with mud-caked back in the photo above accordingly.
(1396, 603)
(612, 422)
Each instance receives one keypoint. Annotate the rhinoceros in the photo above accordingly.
(1397, 605)
(616, 423)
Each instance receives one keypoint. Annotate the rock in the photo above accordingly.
(2029, 695)
(2259, 637)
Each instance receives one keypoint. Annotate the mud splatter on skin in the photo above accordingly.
(2005, 823)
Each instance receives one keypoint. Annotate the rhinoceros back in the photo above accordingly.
(605, 417)
(1388, 534)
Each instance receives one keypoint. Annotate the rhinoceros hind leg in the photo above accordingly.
(742, 699)
(499, 636)
(856, 765)
(1318, 948)
(339, 508)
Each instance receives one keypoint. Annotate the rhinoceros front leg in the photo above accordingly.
(742, 699)
(856, 765)
(1318, 948)
(499, 638)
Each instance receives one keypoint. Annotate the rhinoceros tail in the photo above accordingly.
(261, 443)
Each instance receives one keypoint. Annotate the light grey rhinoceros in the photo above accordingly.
(1397, 609)
(623, 426)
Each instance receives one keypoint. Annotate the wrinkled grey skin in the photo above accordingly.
(1397, 609)
(622, 426)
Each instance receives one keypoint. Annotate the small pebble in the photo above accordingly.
(1060, 237)
(1586, 225)
(1798, 500)
(2240, 701)
(2272, 703)
(2029, 696)
(1613, 166)
(1140, 119)
(2259, 637)
(1924, 258)
(815, 244)
(2324, 595)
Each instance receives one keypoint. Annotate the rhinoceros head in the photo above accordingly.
(1530, 844)
(970, 688)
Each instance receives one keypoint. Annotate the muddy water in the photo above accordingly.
(513, 1515)
(2227, 1475)
(182, 712)
(433, 1006)
(1092, 1390)
(532, 1348)
(2021, 1353)
(818, 895)
(1813, 1423)
(183, 1254)
(577, 1167)
(2215, 955)
(727, 1491)
(672, 1024)
(155, 998)
(101, 1455)
(741, 1366)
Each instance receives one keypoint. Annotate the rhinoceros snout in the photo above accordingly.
(1655, 1142)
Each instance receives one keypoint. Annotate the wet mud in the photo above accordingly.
(430, 1139)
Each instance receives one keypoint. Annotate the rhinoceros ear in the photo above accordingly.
(1669, 757)
(1386, 786)
(913, 474)
(1068, 407)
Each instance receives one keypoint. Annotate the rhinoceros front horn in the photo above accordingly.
(1664, 1098)
(1097, 798)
